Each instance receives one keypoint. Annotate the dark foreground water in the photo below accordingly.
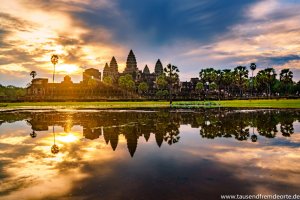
(148, 154)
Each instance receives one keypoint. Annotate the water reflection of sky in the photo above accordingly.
(193, 168)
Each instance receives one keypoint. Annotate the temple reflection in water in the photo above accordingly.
(164, 125)
(149, 154)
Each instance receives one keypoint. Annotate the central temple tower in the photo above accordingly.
(131, 65)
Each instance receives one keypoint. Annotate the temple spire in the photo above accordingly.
(113, 65)
(146, 70)
(131, 64)
(158, 68)
(106, 70)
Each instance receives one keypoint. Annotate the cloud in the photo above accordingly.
(31, 33)
(268, 37)
(191, 35)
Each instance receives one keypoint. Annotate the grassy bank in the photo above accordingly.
(82, 105)
(282, 103)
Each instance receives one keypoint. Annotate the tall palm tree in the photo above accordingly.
(240, 75)
(271, 77)
(54, 61)
(252, 67)
(266, 78)
(227, 79)
(199, 88)
(219, 79)
(262, 80)
(286, 77)
(208, 75)
(33, 74)
(172, 77)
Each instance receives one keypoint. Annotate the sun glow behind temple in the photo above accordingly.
(68, 69)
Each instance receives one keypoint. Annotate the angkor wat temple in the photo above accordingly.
(93, 86)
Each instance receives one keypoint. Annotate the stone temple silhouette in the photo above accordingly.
(104, 86)
(93, 85)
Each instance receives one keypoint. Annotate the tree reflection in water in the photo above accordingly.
(33, 134)
(163, 124)
(54, 148)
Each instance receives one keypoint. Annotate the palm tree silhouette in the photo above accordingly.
(252, 67)
(240, 74)
(33, 74)
(286, 77)
(54, 60)
(172, 76)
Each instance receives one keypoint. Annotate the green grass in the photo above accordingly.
(81, 105)
(282, 103)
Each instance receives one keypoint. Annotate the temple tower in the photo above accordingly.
(146, 70)
(106, 71)
(158, 68)
(113, 66)
(131, 64)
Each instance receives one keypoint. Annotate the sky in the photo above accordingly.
(190, 34)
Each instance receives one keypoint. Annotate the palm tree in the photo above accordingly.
(271, 77)
(172, 77)
(199, 88)
(208, 75)
(286, 77)
(241, 74)
(227, 79)
(262, 80)
(33, 74)
(219, 81)
(54, 60)
(252, 67)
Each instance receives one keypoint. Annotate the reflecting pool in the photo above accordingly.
(148, 154)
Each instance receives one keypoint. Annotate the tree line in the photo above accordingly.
(11, 92)
(239, 83)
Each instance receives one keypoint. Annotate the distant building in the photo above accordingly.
(91, 87)
(39, 86)
(91, 73)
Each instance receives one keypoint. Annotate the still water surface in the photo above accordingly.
(160, 154)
